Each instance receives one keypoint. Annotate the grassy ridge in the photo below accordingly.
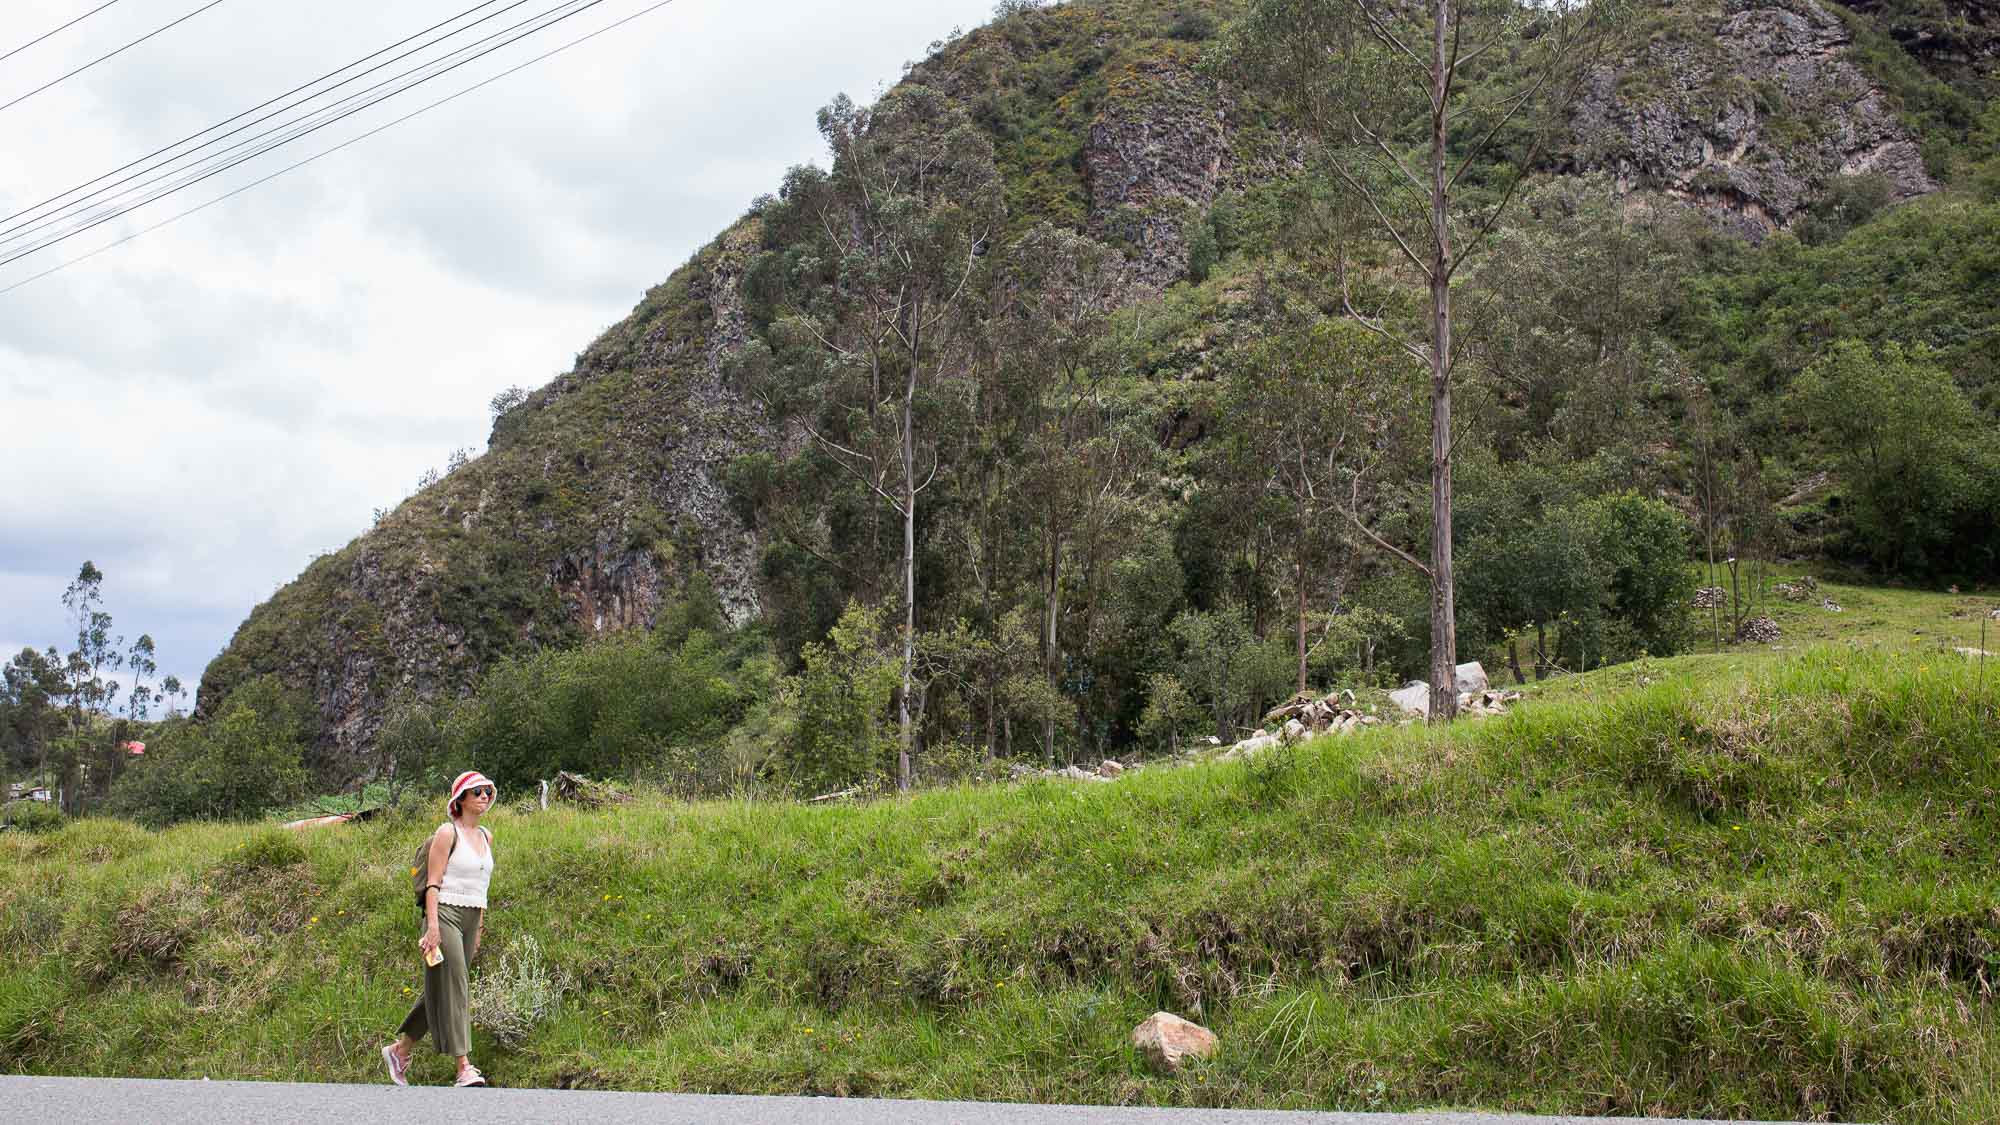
(1771, 896)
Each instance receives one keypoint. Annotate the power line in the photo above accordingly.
(260, 105)
(195, 175)
(65, 27)
(222, 162)
(101, 58)
(654, 7)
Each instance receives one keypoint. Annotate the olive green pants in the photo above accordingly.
(445, 1011)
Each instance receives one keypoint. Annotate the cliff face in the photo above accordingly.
(599, 498)
(1957, 40)
(1751, 111)
(603, 493)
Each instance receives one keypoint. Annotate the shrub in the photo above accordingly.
(610, 709)
(841, 734)
(1915, 457)
(247, 761)
(34, 816)
(523, 992)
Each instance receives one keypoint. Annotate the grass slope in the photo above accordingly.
(1768, 895)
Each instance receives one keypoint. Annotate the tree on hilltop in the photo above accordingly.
(1401, 102)
(903, 219)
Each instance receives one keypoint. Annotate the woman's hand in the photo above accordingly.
(430, 941)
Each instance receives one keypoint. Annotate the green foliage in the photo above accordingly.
(248, 759)
(1171, 713)
(414, 746)
(1918, 461)
(268, 850)
(1925, 273)
(841, 731)
(1609, 575)
(1228, 668)
(33, 816)
(1643, 547)
(614, 708)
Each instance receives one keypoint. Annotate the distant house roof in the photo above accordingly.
(133, 748)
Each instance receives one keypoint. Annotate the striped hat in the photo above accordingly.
(470, 779)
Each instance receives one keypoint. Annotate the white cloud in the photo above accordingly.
(203, 410)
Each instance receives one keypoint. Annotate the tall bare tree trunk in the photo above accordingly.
(1051, 659)
(1299, 577)
(906, 729)
(1444, 626)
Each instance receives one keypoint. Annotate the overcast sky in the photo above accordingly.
(203, 410)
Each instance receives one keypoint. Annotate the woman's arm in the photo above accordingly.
(440, 855)
(479, 936)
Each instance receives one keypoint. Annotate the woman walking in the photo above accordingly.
(454, 902)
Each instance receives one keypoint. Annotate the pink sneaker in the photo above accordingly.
(399, 1067)
(470, 1076)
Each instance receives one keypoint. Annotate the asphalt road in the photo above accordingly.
(136, 1101)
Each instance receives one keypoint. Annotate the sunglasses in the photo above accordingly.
(482, 791)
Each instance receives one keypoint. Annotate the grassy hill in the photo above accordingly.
(1768, 893)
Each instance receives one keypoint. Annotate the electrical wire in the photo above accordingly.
(197, 175)
(65, 27)
(255, 108)
(217, 163)
(78, 206)
(656, 6)
(113, 54)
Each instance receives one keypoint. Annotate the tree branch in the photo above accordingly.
(839, 452)
(1353, 512)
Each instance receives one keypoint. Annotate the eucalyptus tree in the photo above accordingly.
(1428, 115)
(1311, 414)
(904, 218)
(1060, 289)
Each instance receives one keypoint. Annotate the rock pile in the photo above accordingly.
(1801, 591)
(1711, 597)
(1315, 714)
(1760, 629)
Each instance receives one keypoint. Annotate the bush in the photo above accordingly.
(1610, 575)
(247, 761)
(611, 709)
(841, 734)
(34, 816)
(523, 992)
(1916, 460)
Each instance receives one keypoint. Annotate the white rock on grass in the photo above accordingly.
(1471, 678)
(1414, 697)
(1168, 1041)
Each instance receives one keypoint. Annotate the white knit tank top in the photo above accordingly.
(467, 873)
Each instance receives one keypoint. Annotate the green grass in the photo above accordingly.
(1769, 895)
(1932, 624)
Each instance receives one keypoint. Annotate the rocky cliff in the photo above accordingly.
(1751, 110)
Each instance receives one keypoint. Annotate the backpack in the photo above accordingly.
(420, 876)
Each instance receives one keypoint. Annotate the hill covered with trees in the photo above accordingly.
(1055, 361)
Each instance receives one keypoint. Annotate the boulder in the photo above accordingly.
(1254, 744)
(1109, 768)
(1471, 678)
(1168, 1041)
(1414, 698)
(1295, 730)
